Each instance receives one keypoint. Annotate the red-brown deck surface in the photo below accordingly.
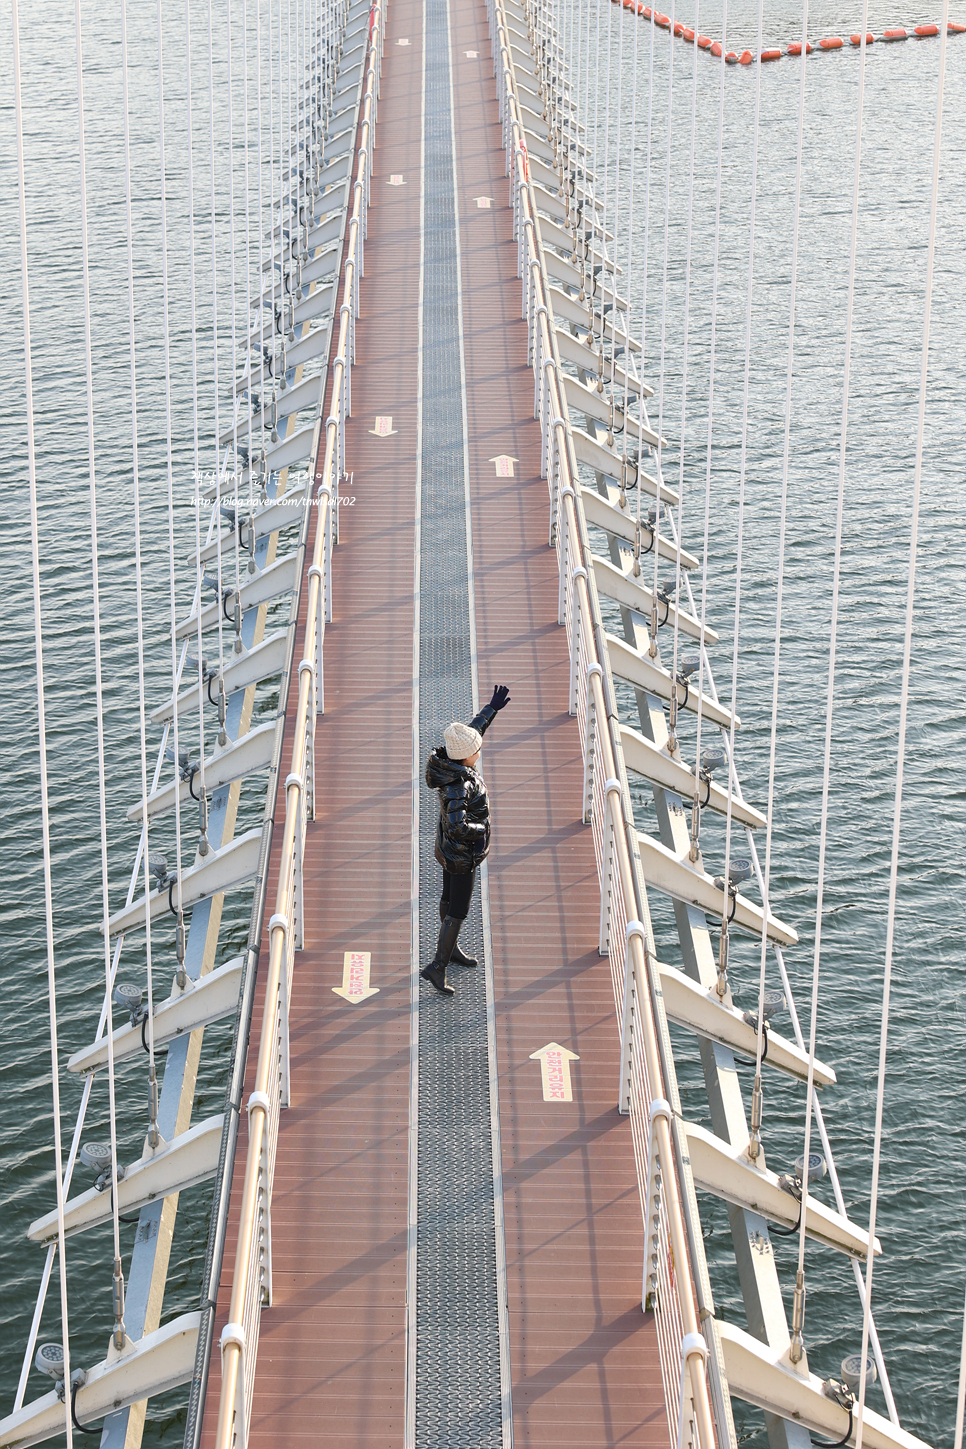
(331, 1363)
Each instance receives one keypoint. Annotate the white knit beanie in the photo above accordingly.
(461, 741)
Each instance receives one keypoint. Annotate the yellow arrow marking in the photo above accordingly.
(504, 465)
(383, 428)
(355, 978)
(555, 1071)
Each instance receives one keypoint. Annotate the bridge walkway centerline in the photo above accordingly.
(336, 1358)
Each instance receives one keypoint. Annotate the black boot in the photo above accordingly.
(435, 972)
(457, 958)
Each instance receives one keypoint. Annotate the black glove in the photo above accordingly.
(501, 697)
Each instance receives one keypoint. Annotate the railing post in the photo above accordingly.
(310, 713)
(629, 996)
(652, 1203)
(234, 1333)
(262, 1244)
(283, 1043)
(692, 1344)
(563, 559)
(590, 746)
(575, 640)
(607, 870)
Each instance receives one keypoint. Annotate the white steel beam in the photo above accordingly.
(277, 513)
(675, 875)
(311, 345)
(220, 870)
(176, 1165)
(253, 751)
(760, 1375)
(726, 1171)
(262, 662)
(689, 1005)
(278, 578)
(572, 349)
(202, 1002)
(644, 758)
(290, 450)
(316, 304)
(641, 671)
(624, 589)
(305, 394)
(611, 463)
(156, 1363)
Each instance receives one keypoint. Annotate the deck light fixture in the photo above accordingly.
(129, 996)
(99, 1158)
(158, 867)
(50, 1361)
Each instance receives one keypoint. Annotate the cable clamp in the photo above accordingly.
(278, 920)
(259, 1099)
(612, 785)
(307, 665)
(659, 1107)
(691, 1344)
(635, 928)
(567, 489)
(593, 669)
(233, 1333)
(579, 573)
(294, 779)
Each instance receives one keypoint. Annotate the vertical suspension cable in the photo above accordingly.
(659, 506)
(961, 1391)
(795, 1352)
(742, 476)
(118, 1294)
(153, 1134)
(203, 845)
(222, 735)
(172, 592)
(647, 242)
(756, 1099)
(672, 739)
(41, 717)
(694, 852)
(903, 715)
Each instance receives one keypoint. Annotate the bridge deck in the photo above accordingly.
(333, 1355)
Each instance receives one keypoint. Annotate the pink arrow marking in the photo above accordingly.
(355, 978)
(555, 1071)
(504, 465)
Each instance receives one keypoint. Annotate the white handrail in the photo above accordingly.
(251, 1283)
(669, 1264)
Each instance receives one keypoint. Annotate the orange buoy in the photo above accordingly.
(716, 48)
(640, 8)
(796, 48)
(646, 11)
(773, 54)
(955, 25)
(895, 35)
(687, 34)
(732, 57)
(662, 20)
(857, 39)
(831, 42)
(678, 28)
(927, 30)
(704, 41)
(746, 58)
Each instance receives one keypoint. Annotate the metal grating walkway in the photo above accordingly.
(457, 1338)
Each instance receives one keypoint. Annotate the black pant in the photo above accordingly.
(457, 894)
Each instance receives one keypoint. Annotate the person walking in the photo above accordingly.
(462, 832)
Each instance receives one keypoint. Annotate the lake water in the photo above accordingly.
(920, 1280)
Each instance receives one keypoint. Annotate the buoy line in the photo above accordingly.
(776, 52)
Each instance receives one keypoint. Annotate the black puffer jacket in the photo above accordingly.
(463, 832)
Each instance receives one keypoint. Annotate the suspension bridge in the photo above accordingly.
(438, 1221)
